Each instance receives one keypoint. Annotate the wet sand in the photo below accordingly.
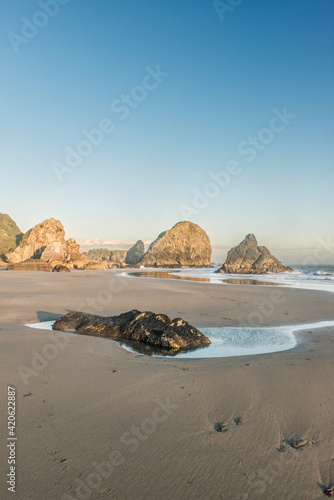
(105, 423)
(175, 276)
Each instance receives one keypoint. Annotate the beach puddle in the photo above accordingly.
(43, 325)
(234, 281)
(172, 275)
(225, 341)
(177, 275)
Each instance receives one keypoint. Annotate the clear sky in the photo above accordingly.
(180, 89)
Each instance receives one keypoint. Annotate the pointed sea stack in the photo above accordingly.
(249, 258)
(135, 254)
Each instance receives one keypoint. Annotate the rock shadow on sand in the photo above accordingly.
(49, 316)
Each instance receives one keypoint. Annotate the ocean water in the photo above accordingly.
(228, 341)
(305, 277)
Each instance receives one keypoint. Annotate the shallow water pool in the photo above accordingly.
(226, 341)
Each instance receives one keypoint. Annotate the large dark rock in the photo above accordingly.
(59, 268)
(186, 244)
(157, 330)
(249, 258)
(135, 254)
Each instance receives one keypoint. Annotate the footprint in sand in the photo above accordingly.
(221, 427)
(329, 492)
(225, 426)
(298, 444)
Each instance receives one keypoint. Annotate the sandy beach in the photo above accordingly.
(105, 423)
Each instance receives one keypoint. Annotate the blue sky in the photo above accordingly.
(223, 77)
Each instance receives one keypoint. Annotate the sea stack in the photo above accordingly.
(45, 242)
(186, 244)
(37, 239)
(135, 254)
(249, 258)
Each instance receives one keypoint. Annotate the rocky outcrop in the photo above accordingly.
(54, 251)
(186, 244)
(98, 254)
(46, 241)
(157, 330)
(36, 240)
(96, 266)
(78, 261)
(30, 265)
(118, 257)
(61, 269)
(72, 249)
(249, 258)
(114, 265)
(135, 254)
(103, 254)
(61, 250)
(10, 235)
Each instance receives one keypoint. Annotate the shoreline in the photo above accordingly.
(244, 279)
(109, 289)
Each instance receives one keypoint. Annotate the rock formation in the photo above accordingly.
(154, 329)
(72, 249)
(10, 235)
(114, 265)
(79, 261)
(30, 265)
(103, 254)
(118, 257)
(54, 251)
(61, 269)
(61, 250)
(135, 254)
(186, 244)
(98, 254)
(249, 258)
(36, 240)
(96, 266)
(46, 241)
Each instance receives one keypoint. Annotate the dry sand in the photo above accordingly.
(132, 427)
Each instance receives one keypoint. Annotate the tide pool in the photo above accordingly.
(227, 341)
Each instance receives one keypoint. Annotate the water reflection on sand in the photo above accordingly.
(166, 274)
(172, 274)
(234, 281)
